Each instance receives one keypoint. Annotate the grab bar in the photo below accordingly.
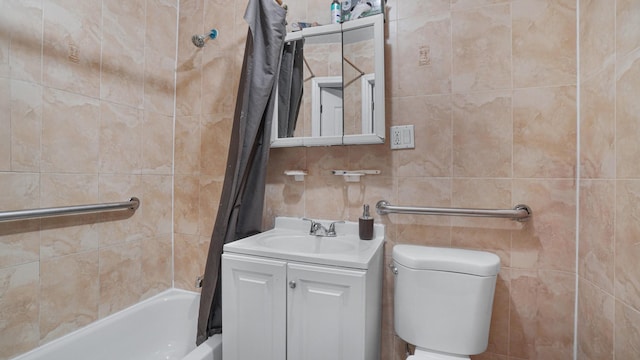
(132, 205)
(520, 212)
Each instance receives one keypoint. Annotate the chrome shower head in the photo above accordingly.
(200, 40)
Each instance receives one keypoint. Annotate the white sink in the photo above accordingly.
(290, 240)
(309, 243)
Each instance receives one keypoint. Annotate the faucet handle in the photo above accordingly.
(314, 226)
(313, 222)
(332, 228)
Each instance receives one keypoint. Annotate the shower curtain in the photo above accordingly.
(290, 85)
(242, 199)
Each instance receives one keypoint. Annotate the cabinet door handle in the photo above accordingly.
(292, 284)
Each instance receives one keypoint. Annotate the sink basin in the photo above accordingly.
(290, 240)
(309, 244)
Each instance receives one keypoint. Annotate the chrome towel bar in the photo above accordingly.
(519, 212)
(132, 205)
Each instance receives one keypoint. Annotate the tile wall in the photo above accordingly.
(86, 116)
(207, 84)
(609, 278)
(495, 109)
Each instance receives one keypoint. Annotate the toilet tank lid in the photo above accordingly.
(480, 263)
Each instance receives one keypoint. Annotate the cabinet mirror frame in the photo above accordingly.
(373, 83)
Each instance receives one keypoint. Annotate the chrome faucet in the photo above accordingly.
(317, 229)
(332, 228)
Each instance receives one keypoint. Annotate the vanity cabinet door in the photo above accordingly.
(254, 298)
(326, 313)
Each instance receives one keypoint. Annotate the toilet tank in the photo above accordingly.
(443, 297)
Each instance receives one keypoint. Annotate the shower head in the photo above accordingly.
(200, 40)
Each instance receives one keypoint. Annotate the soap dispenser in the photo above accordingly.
(365, 224)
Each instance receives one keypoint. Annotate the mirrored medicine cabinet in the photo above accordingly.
(340, 72)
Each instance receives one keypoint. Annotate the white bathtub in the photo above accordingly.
(162, 327)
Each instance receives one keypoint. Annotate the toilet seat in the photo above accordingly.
(421, 354)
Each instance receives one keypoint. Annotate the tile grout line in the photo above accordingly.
(173, 153)
(577, 190)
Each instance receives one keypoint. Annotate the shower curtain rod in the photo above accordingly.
(132, 205)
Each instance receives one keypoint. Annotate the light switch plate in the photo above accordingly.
(402, 137)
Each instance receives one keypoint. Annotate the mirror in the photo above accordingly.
(338, 98)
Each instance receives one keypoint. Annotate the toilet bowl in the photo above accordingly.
(443, 300)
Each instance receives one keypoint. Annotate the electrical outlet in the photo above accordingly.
(396, 137)
(402, 137)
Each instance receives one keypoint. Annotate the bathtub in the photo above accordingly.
(162, 327)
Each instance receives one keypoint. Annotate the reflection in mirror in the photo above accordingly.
(323, 87)
(363, 64)
(331, 86)
(326, 106)
(359, 80)
(290, 84)
(311, 68)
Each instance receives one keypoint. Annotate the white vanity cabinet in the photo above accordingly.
(254, 300)
(276, 310)
(325, 312)
(299, 307)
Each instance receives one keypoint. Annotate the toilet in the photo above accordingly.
(443, 299)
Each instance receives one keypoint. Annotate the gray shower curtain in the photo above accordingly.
(290, 86)
(242, 199)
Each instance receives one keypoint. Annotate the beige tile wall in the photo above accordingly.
(609, 286)
(207, 84)
(495, 112)
(494, 107)
(86, 116)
